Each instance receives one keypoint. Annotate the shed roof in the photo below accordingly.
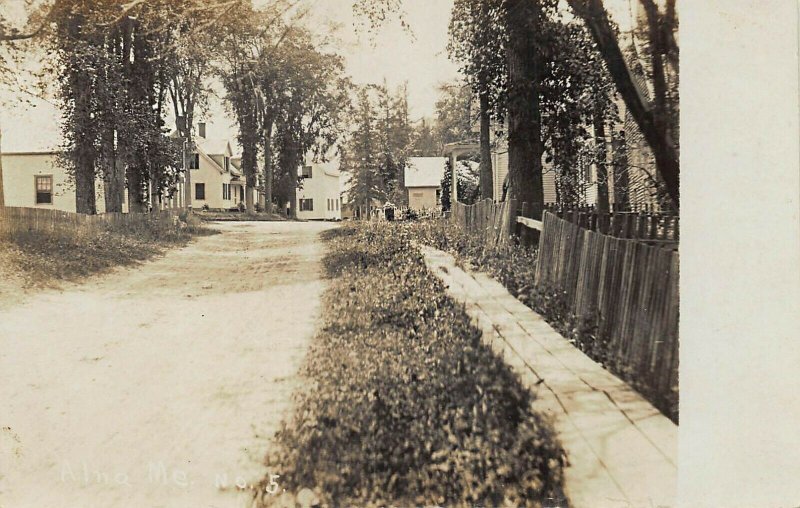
(424, 171)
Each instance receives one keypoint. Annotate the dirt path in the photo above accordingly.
(158, 385)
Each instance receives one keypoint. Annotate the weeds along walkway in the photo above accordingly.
(622, 451)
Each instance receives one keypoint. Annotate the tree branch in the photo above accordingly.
(596, 18)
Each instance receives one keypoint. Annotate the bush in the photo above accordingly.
(404, 404)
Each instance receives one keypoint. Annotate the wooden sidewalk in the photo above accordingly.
(622, 451)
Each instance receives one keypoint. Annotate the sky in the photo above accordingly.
(417, 57)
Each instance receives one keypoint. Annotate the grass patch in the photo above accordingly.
(42, 258)
(404, 405)
(235, 216)
(514, 266)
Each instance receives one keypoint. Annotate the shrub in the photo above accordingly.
(404, 404)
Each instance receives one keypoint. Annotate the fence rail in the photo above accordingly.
(17, 219)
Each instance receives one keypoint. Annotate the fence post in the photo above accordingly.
(525, 233)
(511, 208)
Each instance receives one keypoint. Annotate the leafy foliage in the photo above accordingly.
(404, 404)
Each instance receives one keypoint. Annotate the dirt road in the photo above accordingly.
(160, 385)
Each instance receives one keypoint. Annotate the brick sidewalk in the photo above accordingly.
(622, 451)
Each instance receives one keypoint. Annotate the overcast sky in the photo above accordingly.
(418, 57)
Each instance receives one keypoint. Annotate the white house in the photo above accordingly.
(500, 172)
(320, 197)
(423, 181)
(217, 182)
(33, 177)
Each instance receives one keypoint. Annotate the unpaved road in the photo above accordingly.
(157, 385)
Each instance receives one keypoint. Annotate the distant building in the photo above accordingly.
(320, 197)
(217, 182)
(423, 181)
(36, 178)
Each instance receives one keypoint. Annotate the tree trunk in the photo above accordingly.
(83, 151)
(486, 180)
(113, 176)
(621, 184)
(188, 152)
(525, 145)
(249, 155)
(292, 171)
(602, 154)
(2, 194)
(664, 150)
(268, 172)
(249, 140)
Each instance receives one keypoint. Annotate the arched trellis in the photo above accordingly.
(453, 151)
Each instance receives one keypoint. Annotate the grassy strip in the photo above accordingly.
(404, 405)
(231, 216)
(43, 258)
(515, 266)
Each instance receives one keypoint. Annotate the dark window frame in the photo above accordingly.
(43, 192)
(200, 191)
(309, 173)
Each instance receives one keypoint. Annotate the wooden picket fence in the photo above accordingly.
(491, 221)
(651, 227)
(618, 278)
(18, 219)
(624, 290)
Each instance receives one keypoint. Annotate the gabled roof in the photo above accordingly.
(424, 171)
(214, 146)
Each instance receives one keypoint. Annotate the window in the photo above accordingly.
(241, 193)
(227, 163)
(199, 191)
(306, 205)
(44, 189)
(226, 191)
(306, 172)
(194, 161)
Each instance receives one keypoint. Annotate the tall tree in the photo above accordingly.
(651, 118)
(314, 98)
(360, 154)
(477, 43)
(523, 19)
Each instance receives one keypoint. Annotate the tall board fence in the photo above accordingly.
(493, 222)
(649, 226)
(18, 219)
(626, 292)
(617, 274)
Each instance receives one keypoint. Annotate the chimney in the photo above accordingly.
(201, 129)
